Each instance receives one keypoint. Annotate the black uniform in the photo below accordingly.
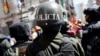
(91, 33)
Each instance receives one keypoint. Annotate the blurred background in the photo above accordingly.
(13, 11)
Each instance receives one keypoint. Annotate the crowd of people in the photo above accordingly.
(52, 36)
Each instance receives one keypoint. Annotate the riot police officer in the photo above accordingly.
(91, 32)
(49, 16)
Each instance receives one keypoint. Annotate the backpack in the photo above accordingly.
(66, 48)
(78, 49)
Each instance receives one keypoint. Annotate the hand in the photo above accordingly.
(22, 51)
(37, 28)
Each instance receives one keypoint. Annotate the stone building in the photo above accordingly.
(24, 13)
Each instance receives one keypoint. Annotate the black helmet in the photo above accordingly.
(49, 15)
(20, 31)
(93, 13)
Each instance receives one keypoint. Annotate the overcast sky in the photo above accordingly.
(77, 8)
(80, 1)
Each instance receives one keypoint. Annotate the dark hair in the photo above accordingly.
(20, 31)
(93, 13)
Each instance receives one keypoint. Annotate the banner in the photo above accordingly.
(73, 21)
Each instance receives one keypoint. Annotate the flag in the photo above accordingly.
(21, 4)
(62, 2)
(73, 21)
(6, 6)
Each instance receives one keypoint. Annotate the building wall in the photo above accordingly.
(79, 11)
(5, 17)
(16, 14)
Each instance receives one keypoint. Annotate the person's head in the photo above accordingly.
(20, 31)
(49, 16)
(91, 14)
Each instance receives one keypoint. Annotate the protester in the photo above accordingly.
(21, 33)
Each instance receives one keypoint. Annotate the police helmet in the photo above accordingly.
(93, 13)
(49, 15)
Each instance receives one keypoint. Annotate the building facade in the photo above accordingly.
(23, 10)
(17, 12)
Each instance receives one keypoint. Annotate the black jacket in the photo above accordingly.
(90, 40)
(50, 45)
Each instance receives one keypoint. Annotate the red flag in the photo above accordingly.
(6, 6)
(73, 21)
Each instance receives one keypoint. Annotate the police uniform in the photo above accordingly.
(49, 16)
